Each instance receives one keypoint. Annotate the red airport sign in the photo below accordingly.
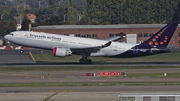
(109, 73)
(88, 74)
(114, 73)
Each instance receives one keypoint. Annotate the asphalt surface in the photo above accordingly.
(122, 89)
(8, 57)
(13, 58)
(63, 96)
(85, 93)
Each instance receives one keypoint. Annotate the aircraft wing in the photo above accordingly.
(116, 38)
(91, 49)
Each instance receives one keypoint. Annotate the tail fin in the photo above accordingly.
(162, 37)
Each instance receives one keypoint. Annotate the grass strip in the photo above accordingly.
(153, 75)
(166, 57)
(69, 68)
(89, 84)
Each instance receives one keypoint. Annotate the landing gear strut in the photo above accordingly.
(85, 60)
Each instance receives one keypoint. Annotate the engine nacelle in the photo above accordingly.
(62, 52)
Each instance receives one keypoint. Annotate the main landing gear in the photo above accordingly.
(85, 60)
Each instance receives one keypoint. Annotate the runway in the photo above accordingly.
(120, 89)
(85, 93)
(65, 96)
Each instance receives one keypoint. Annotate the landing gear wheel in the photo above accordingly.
(85, 61)
(89, 61)
(81, 61)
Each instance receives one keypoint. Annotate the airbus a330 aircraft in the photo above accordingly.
(66, 45)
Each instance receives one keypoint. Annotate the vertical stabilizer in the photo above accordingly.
(162, 37)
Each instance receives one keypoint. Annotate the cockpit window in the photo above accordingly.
(11, 34)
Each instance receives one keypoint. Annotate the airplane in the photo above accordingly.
(67, 45)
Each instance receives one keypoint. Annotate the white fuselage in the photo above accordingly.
(50, 41)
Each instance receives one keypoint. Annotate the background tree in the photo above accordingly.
(3, 27)
(129, 11)
(7, 22)
(25, 24)
(11, 26)
(72, 14)
(52, 4)
(5, 3)
(7, 26)
(50, 12)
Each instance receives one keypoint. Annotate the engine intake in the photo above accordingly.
(61, 52)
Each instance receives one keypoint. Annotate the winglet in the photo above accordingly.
(107, 44)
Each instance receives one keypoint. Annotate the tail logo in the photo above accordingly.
(154, 40)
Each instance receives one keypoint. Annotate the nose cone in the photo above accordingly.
(6, 37)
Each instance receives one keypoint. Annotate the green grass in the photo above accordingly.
(69, 68)
(88, 84)
(154, 75)
(166, 57)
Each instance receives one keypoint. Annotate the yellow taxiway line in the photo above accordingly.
(51, 96)
(32, 57)
(57, 91)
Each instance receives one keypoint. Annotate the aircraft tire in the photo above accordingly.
(82, 61)
(89, 61)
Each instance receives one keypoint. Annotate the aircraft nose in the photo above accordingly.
(6, 37)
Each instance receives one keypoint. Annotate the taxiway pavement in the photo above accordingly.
(85, 93)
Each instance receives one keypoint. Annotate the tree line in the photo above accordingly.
(87, 12)
(130, 11)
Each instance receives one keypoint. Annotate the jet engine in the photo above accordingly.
(61, 52)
